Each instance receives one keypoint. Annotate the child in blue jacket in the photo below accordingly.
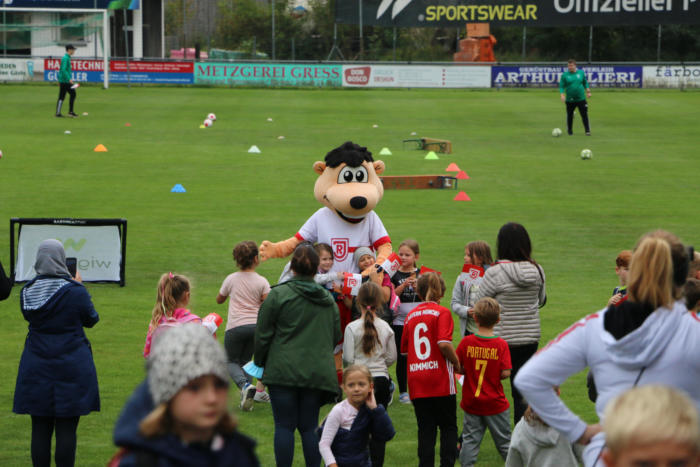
(346, 431)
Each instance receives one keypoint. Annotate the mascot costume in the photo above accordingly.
(349, 188)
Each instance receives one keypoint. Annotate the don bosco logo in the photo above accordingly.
(358, 75)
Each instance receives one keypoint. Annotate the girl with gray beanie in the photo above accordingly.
(179, 415)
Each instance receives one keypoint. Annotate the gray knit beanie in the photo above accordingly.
(181, 354)
(361, 251)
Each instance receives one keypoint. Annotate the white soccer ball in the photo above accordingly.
(211, 117)
(556, 132)
(208, 122)
(586, 154)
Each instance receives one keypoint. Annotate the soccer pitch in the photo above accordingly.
(579, 214)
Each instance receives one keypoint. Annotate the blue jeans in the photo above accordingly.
(295, 408)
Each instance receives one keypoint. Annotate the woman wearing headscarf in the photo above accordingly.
(57, 380)
(650, 338)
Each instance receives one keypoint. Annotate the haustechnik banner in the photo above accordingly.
(443, 13)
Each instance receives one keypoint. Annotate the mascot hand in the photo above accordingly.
(383, 252)
(277, 250)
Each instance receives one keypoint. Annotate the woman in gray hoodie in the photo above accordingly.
(517, 282)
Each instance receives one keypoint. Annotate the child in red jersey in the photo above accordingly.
(427, 342)
(485, 359)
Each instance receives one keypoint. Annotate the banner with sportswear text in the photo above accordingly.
(416, 76)
(267, 74)
(451, 13)
(91, 71)
(97, 249)
(604, 76)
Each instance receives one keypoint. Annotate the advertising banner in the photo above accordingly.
(91, 71)
(613, 76)
(152, 72)
(96, 4)
(267, 74)
(21, 69)
(671, 76)
(455, 13)
(416, 76)
(97, 248)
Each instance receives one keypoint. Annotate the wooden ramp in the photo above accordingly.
(431, 144)
(418, 182)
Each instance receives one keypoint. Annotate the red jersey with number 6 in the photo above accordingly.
(429, 374)
(483, 358)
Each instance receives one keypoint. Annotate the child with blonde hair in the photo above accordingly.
(369, 341)
(405, 280)
(172, 297)
(477, 259)
(535, 443)
(651, 425)
(245, 290)
(179, 415)
(350, 424)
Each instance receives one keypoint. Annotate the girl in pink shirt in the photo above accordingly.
(169, 310)
(246, 290)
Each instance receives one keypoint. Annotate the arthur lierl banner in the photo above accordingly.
(612, 76)
(443, 13)
(97, 248)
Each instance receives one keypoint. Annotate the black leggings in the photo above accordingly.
(401, 366)
(65, 88)
(519, 355)
(582, 109)
(381, 396)
(42, 432)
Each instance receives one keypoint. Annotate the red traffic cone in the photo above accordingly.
(462, 175)
(462, 196)
(452, 168)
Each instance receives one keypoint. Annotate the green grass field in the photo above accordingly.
(579, 213)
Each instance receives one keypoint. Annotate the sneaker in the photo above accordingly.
(247, 395)
(588, 133)
(404, 398)
(73, 114)
(570, 133)
(261, 396)
(392, 388)
(59, 115)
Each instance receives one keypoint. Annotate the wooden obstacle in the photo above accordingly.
(418, 182)
(431, 144)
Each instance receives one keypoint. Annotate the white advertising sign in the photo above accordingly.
(417, 76)
(21, 69)
(97, 248)
(671, 76)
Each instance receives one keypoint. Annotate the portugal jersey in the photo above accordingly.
(483, 358)
(325, 226)
(429, 374)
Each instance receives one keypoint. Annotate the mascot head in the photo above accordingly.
(348, 182)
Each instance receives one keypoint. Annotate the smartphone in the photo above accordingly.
(72, 264)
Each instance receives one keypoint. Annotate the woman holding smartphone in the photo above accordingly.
(57, 380)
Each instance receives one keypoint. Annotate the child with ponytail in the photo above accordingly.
(432, 362)
(169, 310)
(369, 341)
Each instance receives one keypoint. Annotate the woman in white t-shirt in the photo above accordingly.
(247, 290)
